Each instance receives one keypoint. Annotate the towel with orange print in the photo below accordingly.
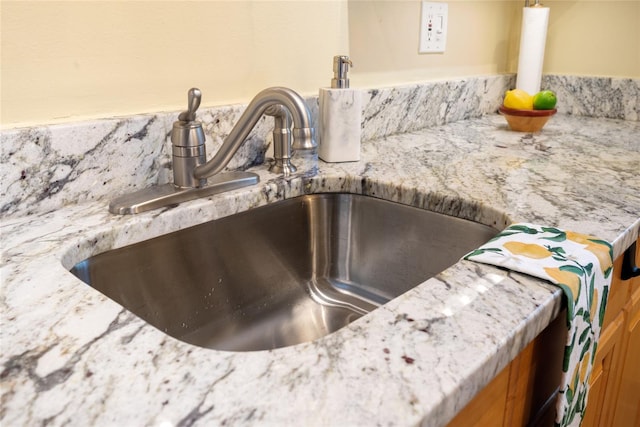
(581, 265)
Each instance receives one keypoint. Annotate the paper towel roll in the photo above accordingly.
(532, 40)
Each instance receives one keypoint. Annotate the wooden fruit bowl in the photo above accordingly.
(526, 120)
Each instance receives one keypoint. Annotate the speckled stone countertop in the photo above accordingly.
(72, 356)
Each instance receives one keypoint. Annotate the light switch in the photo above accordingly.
(433, 27)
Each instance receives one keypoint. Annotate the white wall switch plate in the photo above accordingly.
(433, 27)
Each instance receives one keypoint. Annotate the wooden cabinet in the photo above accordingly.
(627, 405)
(488, 407)
(604, 376)
(614, 397)
(524, 393)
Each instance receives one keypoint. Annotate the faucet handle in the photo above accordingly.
(193, 102)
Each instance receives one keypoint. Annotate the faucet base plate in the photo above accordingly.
(168, 194)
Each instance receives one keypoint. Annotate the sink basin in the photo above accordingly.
(282, 274)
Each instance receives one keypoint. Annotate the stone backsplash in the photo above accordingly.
(46, 167)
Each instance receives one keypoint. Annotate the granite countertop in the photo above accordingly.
(73, 356)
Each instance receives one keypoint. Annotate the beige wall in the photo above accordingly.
(65, 61)
(384, 41)
(68, 60)
(585, 37)
(597, 38)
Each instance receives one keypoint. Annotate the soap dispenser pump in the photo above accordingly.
(340, 116)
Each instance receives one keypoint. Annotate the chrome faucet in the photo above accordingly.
(284, 105)
(190, 168)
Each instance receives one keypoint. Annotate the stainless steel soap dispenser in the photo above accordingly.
(340, 116)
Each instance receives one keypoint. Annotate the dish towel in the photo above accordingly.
(579, 264)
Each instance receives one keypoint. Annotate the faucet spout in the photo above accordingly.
(303, 133)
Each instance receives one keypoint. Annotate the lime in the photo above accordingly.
(544, 100)
(518, 99)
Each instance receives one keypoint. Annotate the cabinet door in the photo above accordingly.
(535, 376)
(607, 367)
(523, 394)
(604, 379)
(618, 295)
(627, 411)
(487, 408)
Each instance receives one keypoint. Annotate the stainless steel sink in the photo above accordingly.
(282, 274)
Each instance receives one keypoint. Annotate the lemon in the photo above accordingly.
(565, 278)
(529, 250)
(518, 99)
(544, 100)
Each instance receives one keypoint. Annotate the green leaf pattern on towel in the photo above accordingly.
(581, 266)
